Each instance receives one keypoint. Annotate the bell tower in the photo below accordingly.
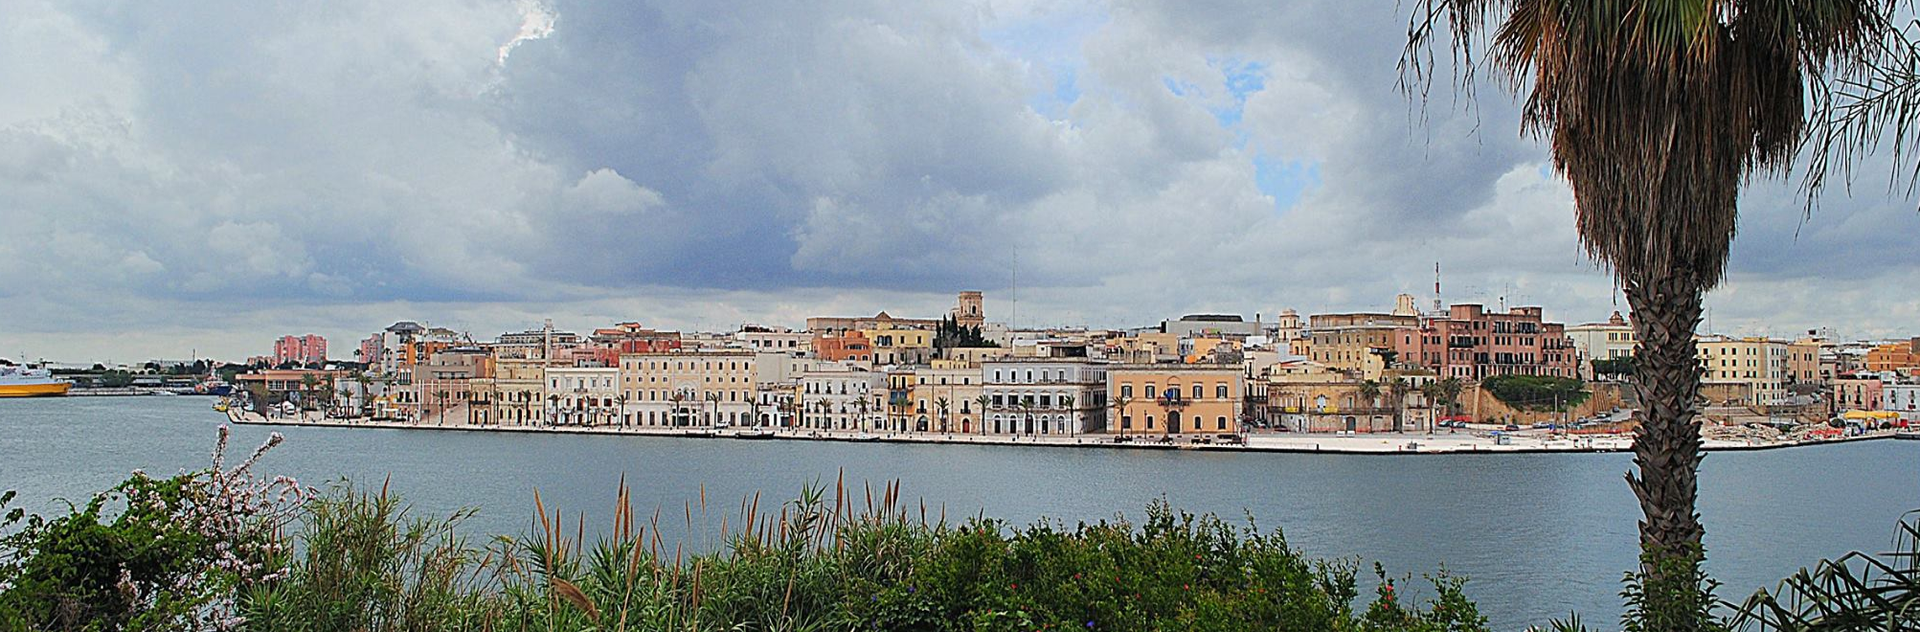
(971, 310)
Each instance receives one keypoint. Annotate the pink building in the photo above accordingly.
(370, 349)
(1472, 344)
(308, 349)
(1856, 392)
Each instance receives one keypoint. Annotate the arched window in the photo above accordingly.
(1220, 390)
(1126, 390)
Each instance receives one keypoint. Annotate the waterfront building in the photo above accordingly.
(1856, 391)
(310, 389)
(1894, 356)
(946, 396)
(441, 390)
(1471, 343)
(839, 396)
(1177, 399)
(516, 394)
(689, 388)
(1306, 396)
(1044, 396)
(1902, 398)
(899, 414)
(1750, 371)
(584, 396)
(1610, 340)
(307, 350)
(775, 405)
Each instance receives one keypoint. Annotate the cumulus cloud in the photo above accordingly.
(223, 172)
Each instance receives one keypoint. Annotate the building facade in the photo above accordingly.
(1193, 399)
(704, 389)
(1044, 396)
(307, 350)
(585, 396)
(838, 396)
(1758, 364)
(1610, 340)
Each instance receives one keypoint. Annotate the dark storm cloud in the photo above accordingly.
(240, 168)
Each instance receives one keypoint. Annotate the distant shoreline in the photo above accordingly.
(1382, 444)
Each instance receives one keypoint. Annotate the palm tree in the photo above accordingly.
(1370, 394)
(1120, 411)
(553, 410)
(1066, 402)
(678, 397)
(713, 402)
(366, 400)
(863, 406)
(621, 399)
(981, 403)
(443, 396)
(1656, 112)
(1397, 397)
(943, 405)
(307, 384)
(1026, 411)
(1432, 391)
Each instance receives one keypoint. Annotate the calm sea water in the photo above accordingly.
(1539, 535)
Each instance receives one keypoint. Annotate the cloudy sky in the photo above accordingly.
(202, 177)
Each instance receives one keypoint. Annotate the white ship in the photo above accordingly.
(22, 381)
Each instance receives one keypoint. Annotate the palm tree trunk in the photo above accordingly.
(1666, 448)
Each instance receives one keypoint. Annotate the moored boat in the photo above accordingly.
(22, 381)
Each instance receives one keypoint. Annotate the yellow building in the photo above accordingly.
(1187, 399)
(1759, 365)
(945, 397)
(516, 395)
(1803, 359)
(894, 345)
(690, 388)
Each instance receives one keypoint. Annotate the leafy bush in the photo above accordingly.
(1536, 393)
(148, 554)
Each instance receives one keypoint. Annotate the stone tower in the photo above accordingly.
(971, 310)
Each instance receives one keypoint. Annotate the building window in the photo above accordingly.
(1220, 391)
(1198, 391)
(1222, 423)
(1150, 393)
(1126, 390)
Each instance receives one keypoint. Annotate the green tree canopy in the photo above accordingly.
(1536, 393)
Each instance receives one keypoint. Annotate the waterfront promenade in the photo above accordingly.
(1456, 442)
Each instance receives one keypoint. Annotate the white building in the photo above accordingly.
(583, 396)
(835, 396)
(1903, 399)
(1044, 396)
(1610, 340)
(798, 344)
